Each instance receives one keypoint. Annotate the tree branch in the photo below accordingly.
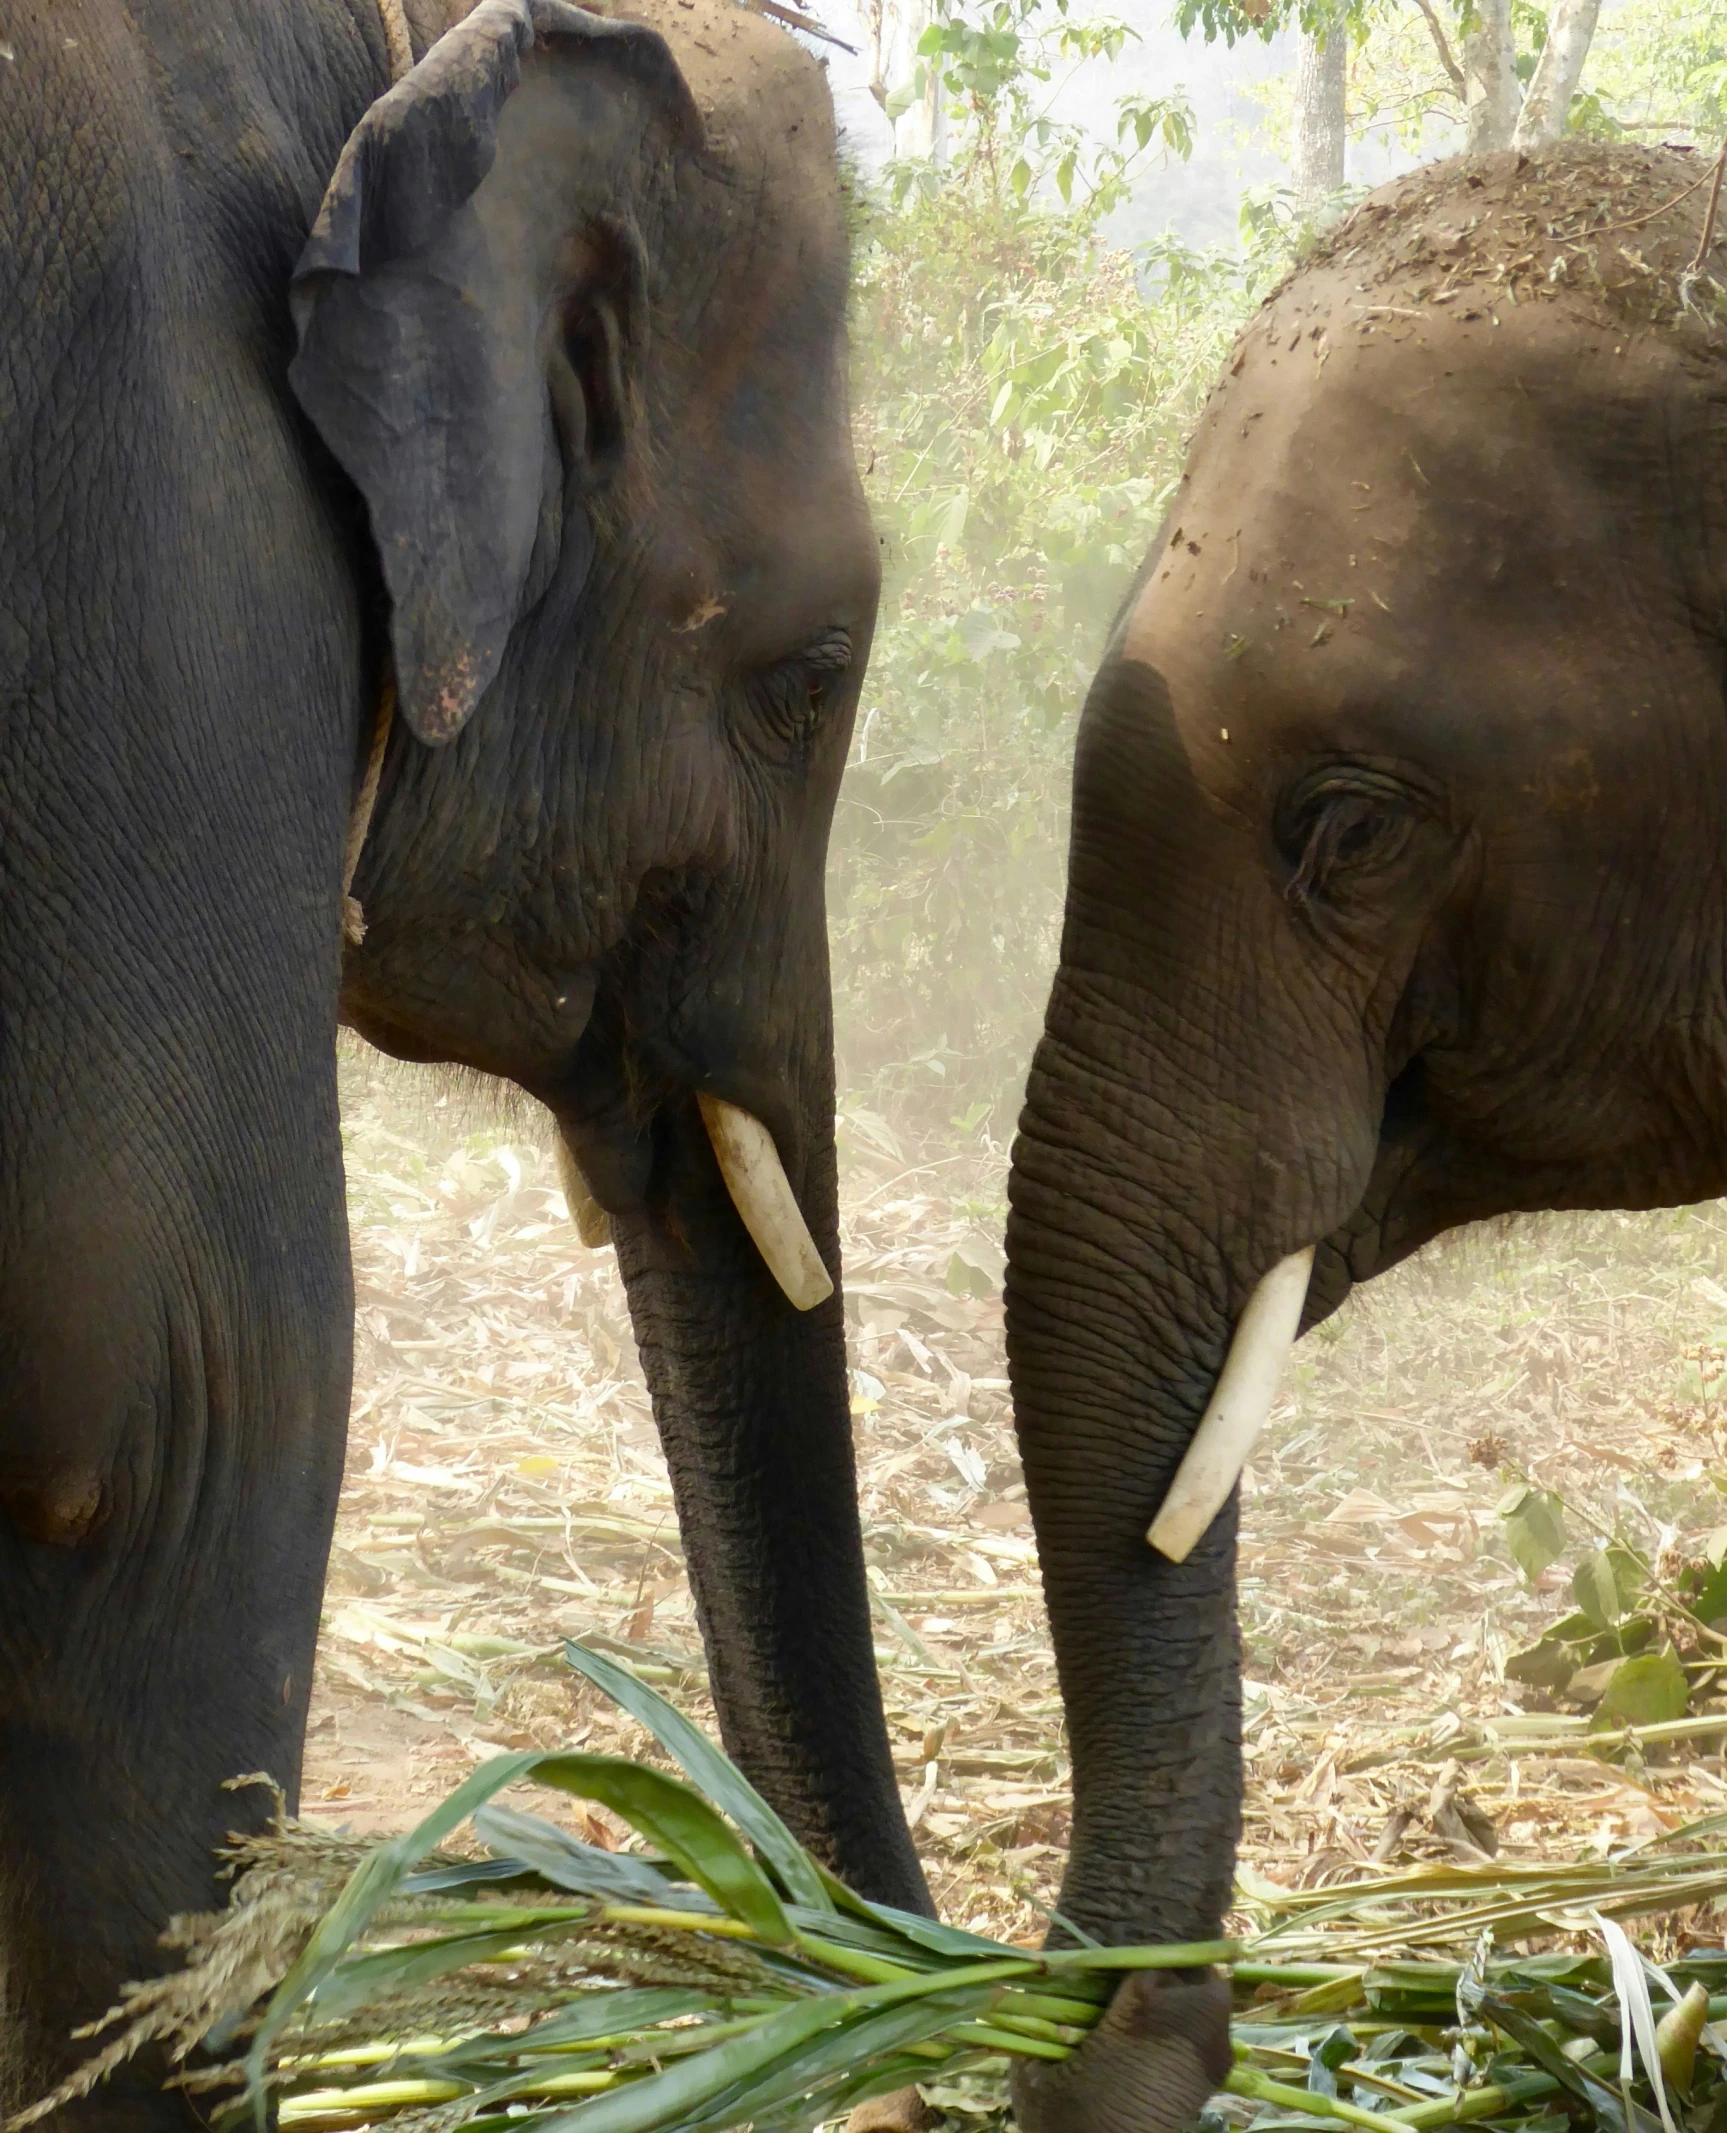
(1442, 45)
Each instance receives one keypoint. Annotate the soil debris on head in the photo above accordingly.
(1614, 226)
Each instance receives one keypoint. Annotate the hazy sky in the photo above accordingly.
(1199, 199)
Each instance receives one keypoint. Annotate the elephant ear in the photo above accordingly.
(471, 311)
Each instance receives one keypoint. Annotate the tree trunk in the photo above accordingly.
(893, 28)
(1570, 30)
(1321, 80)
(1489, 57)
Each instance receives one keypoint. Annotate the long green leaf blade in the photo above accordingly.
(675, 2097)
(563, 1860)
(839, 2054)
(712, 1772)
(680, 1823)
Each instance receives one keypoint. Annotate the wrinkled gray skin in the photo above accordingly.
(570, 370)
(1395, 902)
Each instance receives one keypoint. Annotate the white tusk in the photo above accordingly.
(593, 1224)
(762, 1194)
(1232, 1421)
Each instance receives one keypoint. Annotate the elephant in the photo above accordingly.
(435, 586)
(1394, 903)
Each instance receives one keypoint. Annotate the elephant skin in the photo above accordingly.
(1395, 902)
(521, 378)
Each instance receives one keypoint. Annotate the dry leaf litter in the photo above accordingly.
(505, 1491)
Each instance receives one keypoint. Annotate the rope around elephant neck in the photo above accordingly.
(396, 38)
(401, 50)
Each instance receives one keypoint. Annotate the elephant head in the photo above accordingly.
(546, 436)
(1394, 902)
(572, 321)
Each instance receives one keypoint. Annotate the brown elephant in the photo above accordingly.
(1396, 900)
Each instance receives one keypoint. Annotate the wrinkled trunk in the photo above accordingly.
(1109, 1378)
(751, 1397)
(1197, 1111)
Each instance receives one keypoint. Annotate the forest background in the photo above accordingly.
(1024, 379)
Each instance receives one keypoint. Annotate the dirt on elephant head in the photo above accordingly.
(1616, 226)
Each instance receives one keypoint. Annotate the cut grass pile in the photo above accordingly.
(722, 1978)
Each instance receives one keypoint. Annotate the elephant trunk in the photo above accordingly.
(1109, 1379)
(752, 1401)
(1164, 1208)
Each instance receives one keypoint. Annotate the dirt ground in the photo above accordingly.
(505, 1491)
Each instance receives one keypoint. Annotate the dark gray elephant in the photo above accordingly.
(1395, 901)
(547, 415)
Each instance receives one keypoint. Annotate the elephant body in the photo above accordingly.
(521, 380)
(1395, 902)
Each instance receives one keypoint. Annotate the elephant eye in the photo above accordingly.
(1343, 826)
(791, 697)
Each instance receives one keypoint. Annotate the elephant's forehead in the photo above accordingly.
(1377, 519)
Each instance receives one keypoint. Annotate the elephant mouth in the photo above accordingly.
(617, 1108)
(756, 1182)
(612, 1094)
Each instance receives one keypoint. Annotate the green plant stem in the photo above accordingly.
(990, 2039)
(1064, 2033)
(1189, 1955)
(635, 1914)
(1294, 1975)
(853, 1962)
(1473, 2103)
(1248, 2081)
(1048, 2007)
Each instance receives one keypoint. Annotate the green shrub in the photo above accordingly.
(1023, 391)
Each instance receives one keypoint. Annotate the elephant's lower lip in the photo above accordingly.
(617, 1165)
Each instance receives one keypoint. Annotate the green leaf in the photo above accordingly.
(542, 1848)
(838, 2054)
(1709, 1602)
(911, 1932)
(669, 1814)
(977, 1268)
(700, 2091)
(1596, 1590)
(1647, 1690)
(711, 1771)
(683, 1825)
(1614, 2113)
(1534, 1529)
(1549, 1664)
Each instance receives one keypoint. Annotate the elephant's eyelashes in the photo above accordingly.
(790, 698)
(1344, 825)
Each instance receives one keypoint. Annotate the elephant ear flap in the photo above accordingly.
(422, 324)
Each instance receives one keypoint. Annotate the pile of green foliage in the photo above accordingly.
(1023, 393)
(721, 1978)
